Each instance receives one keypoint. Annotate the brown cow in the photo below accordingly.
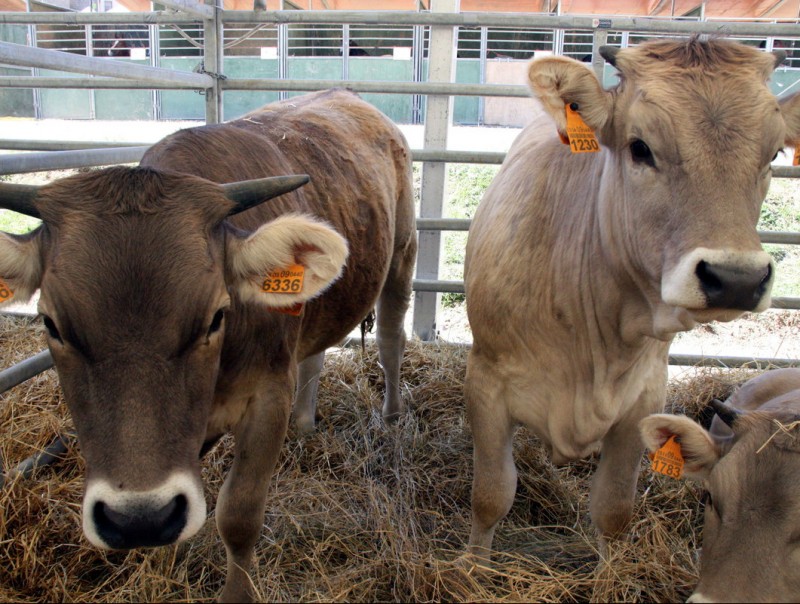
(581, 268)
(751, 472)
(160, 323)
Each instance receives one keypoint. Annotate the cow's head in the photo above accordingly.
(137, 269)
(687, 137)
(751, 533)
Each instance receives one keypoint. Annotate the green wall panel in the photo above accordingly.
(396, 106)
(466, 109)
(124, 104)
(239, 102)
(15, 102)
(65, 103)
(182, 104)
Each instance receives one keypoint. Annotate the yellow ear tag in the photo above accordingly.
(287, 280)
(668, 460)
(5, 292)
(581, 137)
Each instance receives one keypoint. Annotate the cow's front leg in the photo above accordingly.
(305, 404)
(240, 505)
(494, 479)
(613, 490)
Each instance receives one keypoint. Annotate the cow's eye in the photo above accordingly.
(51, 328)
(641, 153)
(216, 322)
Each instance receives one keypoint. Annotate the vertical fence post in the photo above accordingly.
(441, 68)
(600, 38)
(212, 63)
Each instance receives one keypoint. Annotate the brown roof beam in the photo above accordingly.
(765, 8)
(654, 7)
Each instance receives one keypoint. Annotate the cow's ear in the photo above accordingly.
(699, 451)
(790, 108)
(287, 261)
(560, 81)
(20, 267)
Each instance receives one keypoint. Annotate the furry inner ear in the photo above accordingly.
(287, 261)
(560, 81)
(20, 267)
(700, 452)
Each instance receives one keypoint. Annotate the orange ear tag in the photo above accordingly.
(668, 460)
(287, 280)
(5, 292)
(580, 136)
(796, 156)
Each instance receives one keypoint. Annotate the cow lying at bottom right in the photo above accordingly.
(749, 463)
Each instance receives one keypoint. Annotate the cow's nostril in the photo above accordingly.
(710, 281)
(140, 525)
(739, 288)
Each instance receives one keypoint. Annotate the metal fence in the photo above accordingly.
(435, 40)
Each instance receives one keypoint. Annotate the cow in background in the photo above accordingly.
(749, 463)
(581, 268)
(172, 322)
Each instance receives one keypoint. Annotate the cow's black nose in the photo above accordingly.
(140, 525)
(733, 287)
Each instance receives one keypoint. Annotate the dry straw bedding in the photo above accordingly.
(358, 511)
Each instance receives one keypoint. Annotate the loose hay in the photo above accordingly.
(357, 511)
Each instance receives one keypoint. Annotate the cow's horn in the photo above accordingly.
(19, 198)
(609, 53)
(250, 193)
(727, 414)
(780, 57)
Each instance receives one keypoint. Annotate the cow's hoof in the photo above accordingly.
(474, 562)
(305, 425)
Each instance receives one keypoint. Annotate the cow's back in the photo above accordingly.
(359, 164)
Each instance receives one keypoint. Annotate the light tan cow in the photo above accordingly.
(581, 268)
(751, 471)
(179, 309)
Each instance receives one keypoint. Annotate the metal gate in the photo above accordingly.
(432, 42)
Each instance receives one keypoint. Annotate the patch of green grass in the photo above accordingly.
(781, 212)
(12, 222)
(466, 185)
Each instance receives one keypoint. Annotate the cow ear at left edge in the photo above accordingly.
(699, 451)
(20, 267)
(790, 109)
(560, 81)
(292, 240)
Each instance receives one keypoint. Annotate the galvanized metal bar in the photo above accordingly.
(25, 370)
(34, 145)
(20, 163)
(190, 7)
(19, 54)
(786, 303)
(458, 157)
(690, 360)
(443, 224)
(436, 286)
(515, 20)
(212, 64)
(443, 88)
(51, 453)
(600, 38)
(90, 83)
(681, 360)
(786, 171)
(59, 18)
(441, 68)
